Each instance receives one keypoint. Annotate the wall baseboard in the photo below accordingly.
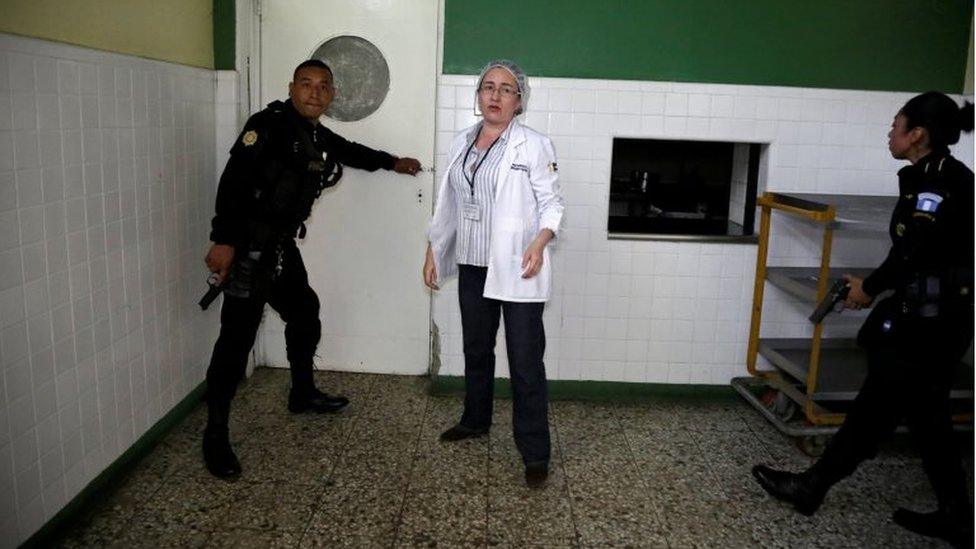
(114, 473)
(601, 391)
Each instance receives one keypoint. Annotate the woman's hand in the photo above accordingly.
(856, 298)
(532, 258)
(430, 270)
(219, 259)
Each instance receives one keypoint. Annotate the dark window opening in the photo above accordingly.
(671, 187)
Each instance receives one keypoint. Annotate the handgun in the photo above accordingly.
(836, 294)
(241, 280)
(212, 293)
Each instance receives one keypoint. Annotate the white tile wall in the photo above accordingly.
(226, 118)
(107, 167)
(670, 312)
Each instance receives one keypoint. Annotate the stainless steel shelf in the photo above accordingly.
(843, 367)
(853, 212)
(801, 282)
(722, 239)
(752, 390)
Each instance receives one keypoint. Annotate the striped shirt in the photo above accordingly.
(473, 237)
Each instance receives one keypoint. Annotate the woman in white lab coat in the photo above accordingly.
(498, 207)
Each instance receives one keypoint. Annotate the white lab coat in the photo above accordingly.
(527, 200)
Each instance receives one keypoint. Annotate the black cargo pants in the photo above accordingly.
(291, 296)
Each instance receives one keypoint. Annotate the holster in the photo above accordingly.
(923, 296)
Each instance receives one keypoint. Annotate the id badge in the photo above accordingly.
(472, 211)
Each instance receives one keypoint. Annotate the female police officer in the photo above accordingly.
(497, 209)
(915, 338)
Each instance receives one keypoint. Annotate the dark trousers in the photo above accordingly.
(291, 296)
(902, 387)
(526, 341)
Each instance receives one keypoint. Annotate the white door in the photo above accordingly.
(366, 237)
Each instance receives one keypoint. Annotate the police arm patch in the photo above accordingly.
(249, 138)
(928, 202)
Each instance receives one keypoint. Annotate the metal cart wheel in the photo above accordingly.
(778, 403)
(813, 445)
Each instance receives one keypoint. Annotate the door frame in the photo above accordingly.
(248, 55)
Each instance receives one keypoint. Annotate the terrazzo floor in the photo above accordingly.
(667, 474)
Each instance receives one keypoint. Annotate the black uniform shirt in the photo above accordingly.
(268, 143)
(931, 228)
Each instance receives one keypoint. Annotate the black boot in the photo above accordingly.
(217, 453)
(536, 473)
(804, 490)
(460, 432)
(219, 456)
(953, 526)
(314, 401)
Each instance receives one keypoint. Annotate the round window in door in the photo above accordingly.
(362, 77)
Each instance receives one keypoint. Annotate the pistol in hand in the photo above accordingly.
(216, 286)
(836, 294)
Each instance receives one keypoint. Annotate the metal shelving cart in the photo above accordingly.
(814, 378)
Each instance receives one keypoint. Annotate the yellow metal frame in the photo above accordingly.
(814, 413)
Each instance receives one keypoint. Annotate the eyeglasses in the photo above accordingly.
(505, 91)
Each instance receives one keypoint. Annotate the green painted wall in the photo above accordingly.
(967, 87)
(907, 45)
(180, 31)
(223, 34)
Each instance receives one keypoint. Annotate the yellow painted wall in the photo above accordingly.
(180, 31)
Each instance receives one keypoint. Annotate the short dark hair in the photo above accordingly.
(940, 116)
(311, 63)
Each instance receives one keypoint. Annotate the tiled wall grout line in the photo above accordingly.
(489, 447)
(85, 352)
(562, 465)
(325, 483)
(413, 461)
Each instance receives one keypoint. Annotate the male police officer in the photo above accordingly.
(279, 165)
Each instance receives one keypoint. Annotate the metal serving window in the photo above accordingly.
(681, 189)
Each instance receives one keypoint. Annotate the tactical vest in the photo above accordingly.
(296, 177)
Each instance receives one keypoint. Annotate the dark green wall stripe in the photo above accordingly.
(114, 473)
(605, 391)
(223, 34)
(905, 45)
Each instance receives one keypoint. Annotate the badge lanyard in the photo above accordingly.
(477, 166)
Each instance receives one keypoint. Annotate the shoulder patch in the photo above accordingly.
(928, 202)
(552, 167)
(249, 138)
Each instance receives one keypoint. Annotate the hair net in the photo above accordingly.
(520, 79)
